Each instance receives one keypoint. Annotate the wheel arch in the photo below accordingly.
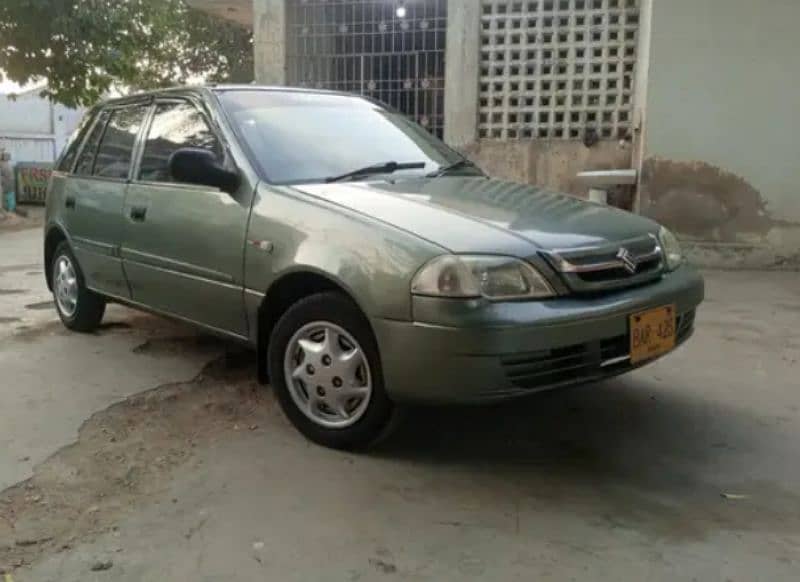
(284, 292)
(55, 236)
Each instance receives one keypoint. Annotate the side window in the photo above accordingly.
(175, 126)
(116, 148)
(86, 159)
(71, 150)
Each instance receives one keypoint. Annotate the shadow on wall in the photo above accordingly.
(723, 218)
(703, 201)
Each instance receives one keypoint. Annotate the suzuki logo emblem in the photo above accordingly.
(628, 260)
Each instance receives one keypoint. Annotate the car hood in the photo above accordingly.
(480, 215)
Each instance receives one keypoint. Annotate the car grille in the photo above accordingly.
(590, 270)
(580, 362)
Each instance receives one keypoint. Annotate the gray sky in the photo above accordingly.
(8, 87)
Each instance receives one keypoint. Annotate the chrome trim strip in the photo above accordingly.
(254, 293)
(562, 264)
(609, 247)
(613, 361)
(565, 266)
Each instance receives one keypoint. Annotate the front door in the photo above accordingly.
(183, 244)
(94, 197)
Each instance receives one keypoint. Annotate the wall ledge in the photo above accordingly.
(714, 255)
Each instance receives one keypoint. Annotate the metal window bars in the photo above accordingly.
(390, 50)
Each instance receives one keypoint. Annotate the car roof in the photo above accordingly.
(202, 90)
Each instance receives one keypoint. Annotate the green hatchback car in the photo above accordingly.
(367, 263)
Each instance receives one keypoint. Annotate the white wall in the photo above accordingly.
(29, 149)
(28, 113)
(722, 125)
(33, 129)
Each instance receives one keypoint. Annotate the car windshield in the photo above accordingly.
(298, 137)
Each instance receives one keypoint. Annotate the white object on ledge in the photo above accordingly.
(597, 180)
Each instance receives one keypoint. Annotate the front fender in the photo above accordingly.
(55, 223)
(292, 232)
(54, 233)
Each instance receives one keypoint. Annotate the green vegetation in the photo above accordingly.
(81, 48)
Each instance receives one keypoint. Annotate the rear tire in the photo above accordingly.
(325, 368)
(79, 308)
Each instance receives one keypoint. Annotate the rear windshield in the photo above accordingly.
(308, 137)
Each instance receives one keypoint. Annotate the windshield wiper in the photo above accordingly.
(384, 168)
(463, 163)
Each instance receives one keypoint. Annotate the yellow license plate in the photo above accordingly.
(652, 333)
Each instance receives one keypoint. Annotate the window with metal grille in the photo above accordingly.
(557, 69)
(390, 50)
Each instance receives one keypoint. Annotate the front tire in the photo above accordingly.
(79, 308)
(326, 371)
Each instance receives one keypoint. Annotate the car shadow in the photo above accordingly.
(594, 426)
(635, 452)
(640, 452)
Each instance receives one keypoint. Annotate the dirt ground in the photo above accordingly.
(24, 218)
(125, 453)
(147, 451)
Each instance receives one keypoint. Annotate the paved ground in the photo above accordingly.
(148, 449)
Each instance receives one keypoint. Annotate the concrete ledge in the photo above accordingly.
(240, 11)
(716, 255)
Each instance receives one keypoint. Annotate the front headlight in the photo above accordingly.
(471, 276)
(673, 256)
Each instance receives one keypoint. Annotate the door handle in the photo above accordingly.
(69, 202)
(138, 213)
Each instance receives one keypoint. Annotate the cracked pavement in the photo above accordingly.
(148, 452)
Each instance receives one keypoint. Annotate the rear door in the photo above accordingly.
(94, 196)
(183, 244)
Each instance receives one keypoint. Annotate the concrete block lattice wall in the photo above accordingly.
(523, 80)
(539, 90)
(554, 69)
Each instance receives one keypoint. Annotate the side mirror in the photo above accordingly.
(199, 166)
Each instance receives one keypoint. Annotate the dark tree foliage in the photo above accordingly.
(81, 48)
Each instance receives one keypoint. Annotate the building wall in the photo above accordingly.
(555, 88)
(519, 151)
(713, 129)
(553, 164)
(719, 160)
(33, 129)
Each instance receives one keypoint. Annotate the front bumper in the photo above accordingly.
(473, 351)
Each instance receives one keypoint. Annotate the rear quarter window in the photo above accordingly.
(70, 152)
(86, 159)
